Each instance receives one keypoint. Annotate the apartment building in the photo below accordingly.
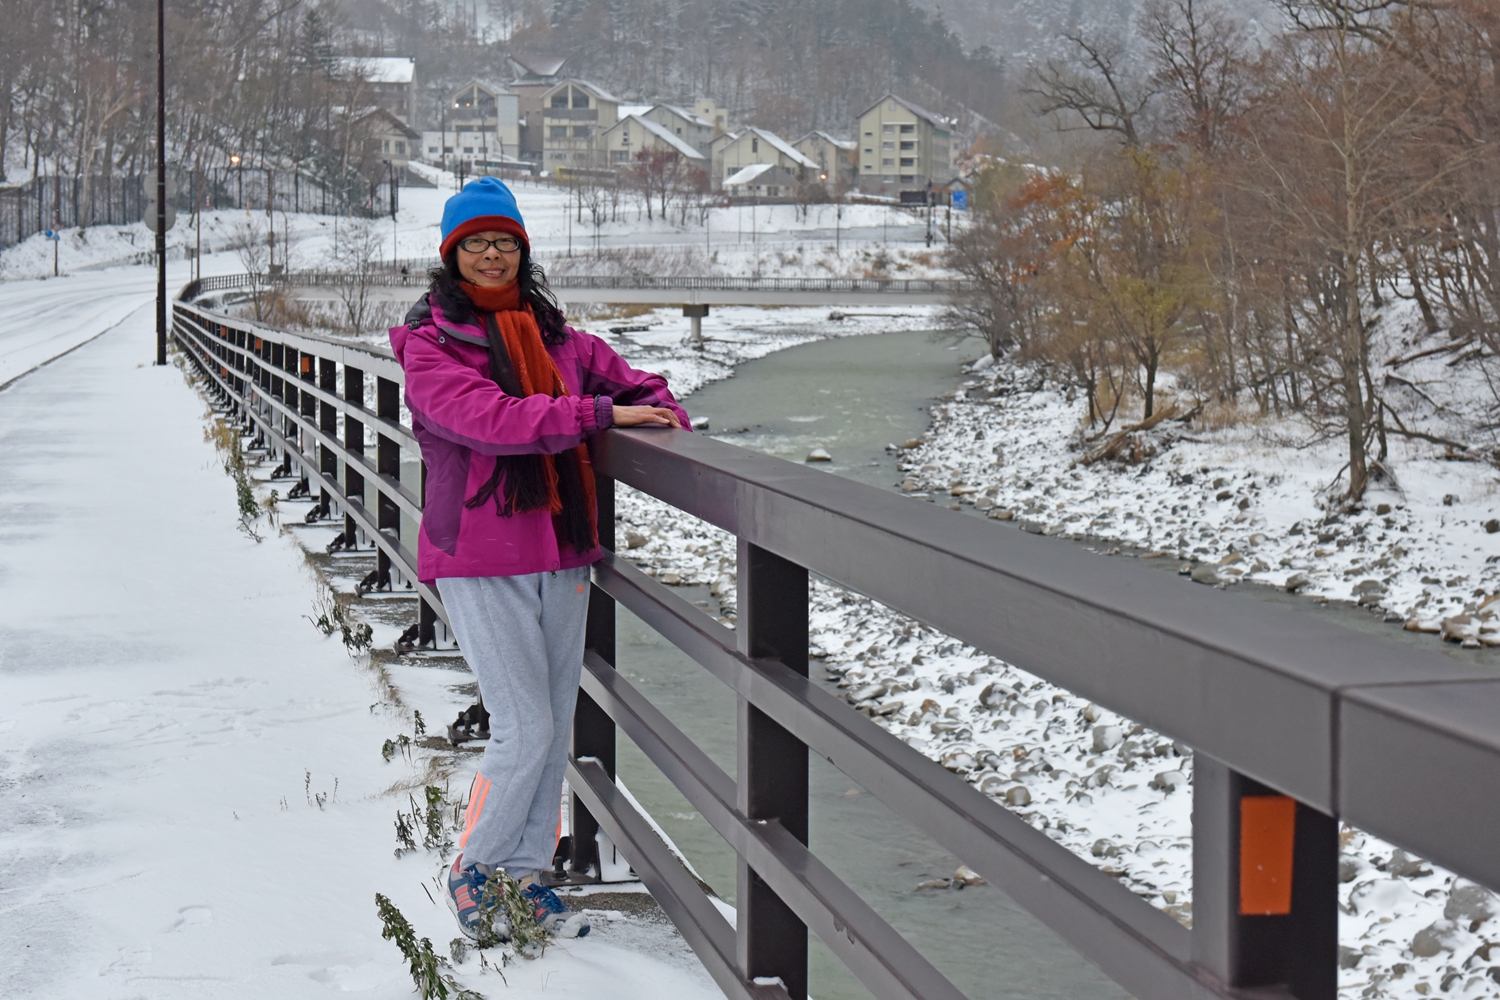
(686, 125)
(835, 158)
(903, 147)
(634, 134)
(574, 115)
(390, 83)
(752, 146)
(488, 108)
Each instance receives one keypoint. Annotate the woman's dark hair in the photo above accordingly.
(534, 292)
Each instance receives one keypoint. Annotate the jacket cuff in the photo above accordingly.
(604, 413)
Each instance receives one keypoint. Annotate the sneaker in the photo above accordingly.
(551, 915)
(465, 893)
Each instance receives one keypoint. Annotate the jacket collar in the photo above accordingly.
(467, 332)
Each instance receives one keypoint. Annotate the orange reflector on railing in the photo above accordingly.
(1268, 830)
(306, 364)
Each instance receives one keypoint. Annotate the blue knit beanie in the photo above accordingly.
(483, 205)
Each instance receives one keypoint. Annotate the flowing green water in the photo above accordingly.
(850, 396)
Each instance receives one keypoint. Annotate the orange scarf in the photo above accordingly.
(536, 372)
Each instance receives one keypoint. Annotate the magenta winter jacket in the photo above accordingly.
(461, 418)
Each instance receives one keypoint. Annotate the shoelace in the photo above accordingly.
(546, 898)
(477, 879)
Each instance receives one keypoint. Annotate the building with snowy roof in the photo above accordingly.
(632, 135)
(687, 125)
(532, 76)
(391, 83)
(484, 107)
(835, 158)
(903, 147)
(574, 115)
(753, 146)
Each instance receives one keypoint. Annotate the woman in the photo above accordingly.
(503, 396)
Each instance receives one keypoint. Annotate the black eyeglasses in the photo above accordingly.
(478, 244)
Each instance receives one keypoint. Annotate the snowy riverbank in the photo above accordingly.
(1113, 792)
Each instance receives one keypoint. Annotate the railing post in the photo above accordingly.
(772, 764)
(328, 423)
(387, 463)
(426, 613)
(593, 729)
(1265, 885)
(354, 444)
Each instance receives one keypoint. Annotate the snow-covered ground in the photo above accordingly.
(193, 797)
(768, 240)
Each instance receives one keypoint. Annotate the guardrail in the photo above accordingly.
(1295, 723)
(417, 277)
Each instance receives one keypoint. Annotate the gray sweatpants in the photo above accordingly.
(523, 638)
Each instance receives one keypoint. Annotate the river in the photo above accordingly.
(851, 396)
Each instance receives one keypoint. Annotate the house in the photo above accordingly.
(686, 125)
(835, 158)
(635, 134)
(388, 140)
(574, 115)
(903, 147)
(752, 146)
(532, 76)
(763, 180)
(478, 152)
(705, 108)
(390, 81)
(488, 108)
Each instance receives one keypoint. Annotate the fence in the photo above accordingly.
(415, 273)
(56, 202)
(1312, 721)
(44, 203)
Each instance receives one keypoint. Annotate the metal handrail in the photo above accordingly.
(1273, 702)
(417, 278)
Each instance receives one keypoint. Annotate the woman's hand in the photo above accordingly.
(635, 416)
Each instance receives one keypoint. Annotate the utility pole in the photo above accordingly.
(199, 199)
(161, 182)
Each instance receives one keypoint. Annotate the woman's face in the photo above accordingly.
(490, 267)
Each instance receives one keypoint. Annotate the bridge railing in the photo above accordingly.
(1296, 724)
(385, 276)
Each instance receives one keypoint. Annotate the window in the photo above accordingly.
(888, 162)
(773, 191)
(582, 131)
(620, 155)
(887, 177)
(580, 99)
(888, 129)
(559, 132)
(447, 149)
(401, 147)
(385, 145)
(868, 134)
(908, 145)
(869, 152)
(468, 149)
(887, 145)
(908, 129)
(869, 166)
(755, 145)
(560, 99)
(907, 161)
(679, 131)
(432, 149)
(578, 156)
(907, 178)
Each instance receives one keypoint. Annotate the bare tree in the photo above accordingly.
(354, 252)
(1095, 86)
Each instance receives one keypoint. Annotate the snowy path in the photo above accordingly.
(168, 720)
(40, 320)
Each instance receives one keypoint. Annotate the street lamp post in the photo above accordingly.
(161, 183)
